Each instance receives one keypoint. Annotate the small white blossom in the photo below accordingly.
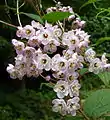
(59, 106)
(73, 105)
(50, 48)
(29, 32)
(61, 88)
(19, 46)
(33, 41)
(36, 25)
(90, 55)
(43, 62)
(74, 87)
(59, 63)
(70, 77)
(96, 66)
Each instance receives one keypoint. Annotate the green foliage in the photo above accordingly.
(27, 105)
(105, 77)
(49, 85)
(98, 103)
(5, 49)
(102, 40)
(33, 16)
(87, 3)
(55, 16)
(83, 71)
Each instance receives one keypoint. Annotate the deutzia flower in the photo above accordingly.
(68, 53)
(29, 31)
(29, 52)
(11, 70)
(74, 87)
(96, 66)
(59, 63)
(33, 41)
(50, 48)
(72, 105)
(70, 77)
(32, 69)
(90, 55)
(45, 37)
(36, 25)
(43, 62)
(70, 40)
(59, 106)
(61, 88)
(19, 46)
(59, 74)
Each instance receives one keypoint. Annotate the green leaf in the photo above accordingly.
(33, 16)
(98, 103)
(55, 16)
(105, 77)
(101, 40)
(87, 3)
(50, 85)
(69, 117)
(83, 71)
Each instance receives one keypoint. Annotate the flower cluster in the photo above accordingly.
(96, 65)
(60, 52)
(76, 21)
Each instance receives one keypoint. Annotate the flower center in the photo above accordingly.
(28, 31)
(45, 35)
(71, 77)
(62, 64)
(44, 61)
(72, 41)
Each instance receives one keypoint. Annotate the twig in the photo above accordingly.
(18, 13)
(8, 24)
(83, 114)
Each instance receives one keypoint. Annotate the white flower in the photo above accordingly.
(59, 63)
(90, 55)
(33, 41)
(29, 52)
(11, 70)
(59, 74)
(32, 69)
(72, 105)
(50, 48)
(107, 67)
(96, 66)
(104, 59)
(36, 25)
(45, 37)
(19, 46)
(43, 62)
(72, 66)
(72, 76)
(59, 106)
(71, 17)
(20, 32)
(68, 53)
(78, 23)
(29, 32)
(61, 88)
(26, 32)
(57, 32)
(75, 62)
(70, 40)
(74, 87)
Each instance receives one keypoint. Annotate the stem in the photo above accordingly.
(50, 79)
(83, 114)
(8, 24)
(18, 13)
